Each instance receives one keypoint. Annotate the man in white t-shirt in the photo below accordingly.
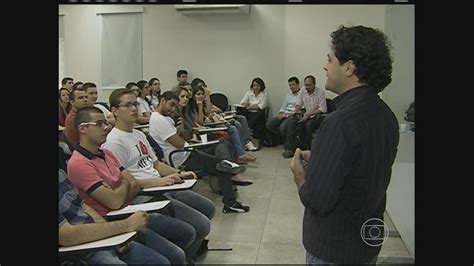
(136, 155)
(212, 159)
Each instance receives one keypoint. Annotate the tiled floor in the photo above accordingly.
(271, 232)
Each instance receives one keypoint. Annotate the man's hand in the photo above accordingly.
(297, 108)
(216, 109)
(297, 166)
(176, 177)
(165, 181)
(188, 175)
(137, 221)
(281, 116)
(246, 105)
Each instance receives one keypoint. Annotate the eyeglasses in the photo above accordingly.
(102, 123)
(129, 104)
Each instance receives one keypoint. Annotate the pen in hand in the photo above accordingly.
(303, 160)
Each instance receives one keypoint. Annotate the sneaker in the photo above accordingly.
(250, 146)
(235, 207)
(288, 154)
(229, 167)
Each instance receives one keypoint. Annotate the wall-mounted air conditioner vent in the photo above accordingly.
(213, 9)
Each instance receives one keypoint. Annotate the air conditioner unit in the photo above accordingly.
(213, 9)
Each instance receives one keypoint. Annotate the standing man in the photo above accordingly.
(344, 183)
(282, 123)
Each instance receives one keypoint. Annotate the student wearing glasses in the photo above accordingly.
(78, 223)
(105, 185)
(136, 155)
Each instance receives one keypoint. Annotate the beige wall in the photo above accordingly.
(274, 42)
(399, 27)
(226, 51)
(400, 21)
(308, 29)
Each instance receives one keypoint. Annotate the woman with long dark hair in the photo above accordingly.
(64, 105)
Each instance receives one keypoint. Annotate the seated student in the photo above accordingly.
(144, 90)
(254, 103)
(240, 121)
(79, 223)
(154, 97)
(181, 115)
(313, 99)
(184, 124)
(199, 106)
(164, 132)
(91, 90)
(78, 99)
(282, 123)
(77, 85)
(105, 185)
(182, 76)
(144, 166)
(142, 117)
(64, 105)
(67, 83)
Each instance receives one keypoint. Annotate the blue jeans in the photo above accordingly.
(235, 140)
(140, 254)
(311, 259)
(310, 126)
(104, 257)
(243, 127)
(165, 229)
(195, 210)
(136, 254)
(286, 129)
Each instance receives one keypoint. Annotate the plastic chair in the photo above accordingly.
(221, 101)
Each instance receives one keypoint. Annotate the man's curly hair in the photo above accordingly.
(369, 49)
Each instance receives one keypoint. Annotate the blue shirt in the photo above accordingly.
(289, 103)
(69, 204)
